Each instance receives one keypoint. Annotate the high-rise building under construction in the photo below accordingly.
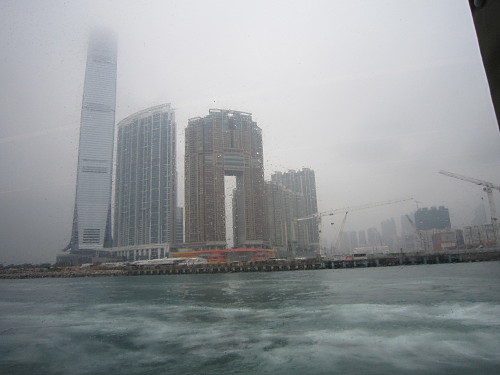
(224, 143)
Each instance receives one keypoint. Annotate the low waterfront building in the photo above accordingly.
(141, 252)
(445, 240)
(228, 255)
(480, 236)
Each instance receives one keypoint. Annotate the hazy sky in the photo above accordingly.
(375, 96)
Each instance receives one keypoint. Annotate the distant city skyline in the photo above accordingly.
(376, 98)
(147, 223)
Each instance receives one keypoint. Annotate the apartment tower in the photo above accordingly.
(224, 143)
(146, 179)
(303, 182)
(283, 231)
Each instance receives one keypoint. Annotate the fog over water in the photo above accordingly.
(437, 319)
(375, 96)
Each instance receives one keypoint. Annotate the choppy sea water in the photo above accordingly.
(435, 319)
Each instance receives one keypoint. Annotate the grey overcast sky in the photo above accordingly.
(376, 96)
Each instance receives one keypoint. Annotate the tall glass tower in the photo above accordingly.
(146, 178)
(92, 215)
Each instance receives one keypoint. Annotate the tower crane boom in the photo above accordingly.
(423, 240)
(341, 231)
(319, 215)
(487, 187)
(471, 179)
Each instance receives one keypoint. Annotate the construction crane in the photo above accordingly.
(423, 240)
(363, 207)
(487, 187)
(335, 211)
(317, 216)
(341, 230)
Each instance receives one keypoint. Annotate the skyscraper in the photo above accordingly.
(362, 238)
(92, 213)
(389, 234)
(303, 182)
(283, 232)
(374, 238)
(146, 178)
(224, 143)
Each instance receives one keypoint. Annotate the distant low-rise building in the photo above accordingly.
(446, 240)
(479, 236)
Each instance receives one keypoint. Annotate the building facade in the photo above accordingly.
(179, 227)
(477, 236)
(224, 143)
(92, 213)
(303, 182)
(433, 218)
(373, 237)
(389, 234)
(362, 238)
(283, 231)
(146, 181)
(348, 242)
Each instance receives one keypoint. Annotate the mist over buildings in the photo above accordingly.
(375, 97)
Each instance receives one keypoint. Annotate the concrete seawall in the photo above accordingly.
(261, 266)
